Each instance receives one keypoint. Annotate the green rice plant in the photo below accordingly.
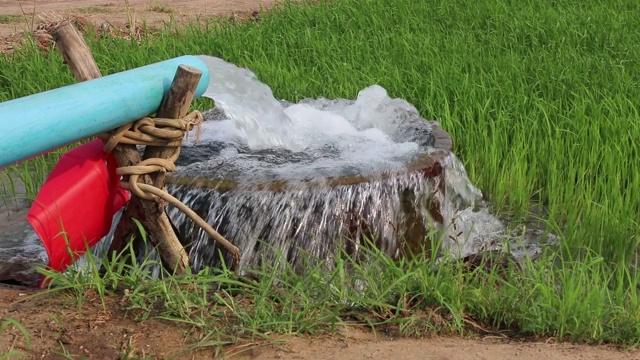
(8, 191)
(515, 93)
(583, 301)
(32, 174)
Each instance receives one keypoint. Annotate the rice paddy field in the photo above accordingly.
(541, 99)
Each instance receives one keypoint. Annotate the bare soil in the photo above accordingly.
(58, 329)
(20, 17)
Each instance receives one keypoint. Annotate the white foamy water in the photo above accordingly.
(250, 135)
(258, 115)
(260, 121)
(332, 145)
(362, 135)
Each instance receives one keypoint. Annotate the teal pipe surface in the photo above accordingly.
(39, 123)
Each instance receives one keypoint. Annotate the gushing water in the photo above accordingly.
(256, 113)
(299, 221)
(310, 179)
(313, 150)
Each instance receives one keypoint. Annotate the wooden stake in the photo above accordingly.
(174, 106)
(152, 214)
(155, 220)
(161, 231)
(75, 51)
(79, 58)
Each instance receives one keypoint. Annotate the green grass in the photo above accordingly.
(161, 7)
(10, 19)
(541, 99)
(94, 10)
(7, 323)
(581, 302)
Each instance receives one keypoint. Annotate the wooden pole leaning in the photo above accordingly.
(151, 213)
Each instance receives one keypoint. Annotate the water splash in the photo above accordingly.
(250, 137)
(260, 122)
(257, 114)
(301, 222)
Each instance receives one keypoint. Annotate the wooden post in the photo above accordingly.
(174, 106)
(79, 58)
(75, 51)
(154, 217)
(152, 214)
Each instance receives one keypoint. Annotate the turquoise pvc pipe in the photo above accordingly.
(39, 123)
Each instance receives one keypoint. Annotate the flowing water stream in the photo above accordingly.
(308, 179)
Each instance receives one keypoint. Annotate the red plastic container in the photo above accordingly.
(75, 207)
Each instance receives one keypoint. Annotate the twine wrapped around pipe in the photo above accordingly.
(167, 133)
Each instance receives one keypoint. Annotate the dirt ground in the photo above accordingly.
(18, 16)
(57, 329)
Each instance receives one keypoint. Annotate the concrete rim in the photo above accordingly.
(430, 165)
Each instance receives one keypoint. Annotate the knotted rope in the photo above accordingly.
(167, 133)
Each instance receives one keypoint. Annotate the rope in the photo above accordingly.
(166, 133)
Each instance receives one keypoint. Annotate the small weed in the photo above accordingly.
(161, 7)
(65, 354)
(10, 351)
(8, 191)
(10, 19)
(94, 10)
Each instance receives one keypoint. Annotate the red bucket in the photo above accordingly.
(75, 207)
